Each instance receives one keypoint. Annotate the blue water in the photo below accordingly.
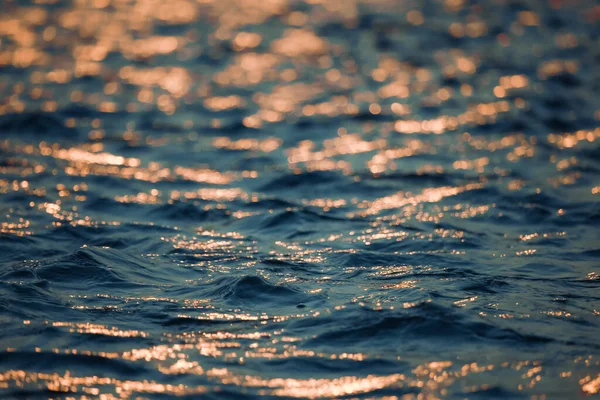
(310, 199)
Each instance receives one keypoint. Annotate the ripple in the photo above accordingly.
(299, 199)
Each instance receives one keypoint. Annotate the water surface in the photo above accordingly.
(320, 198)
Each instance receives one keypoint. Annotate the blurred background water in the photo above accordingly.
(312, 198)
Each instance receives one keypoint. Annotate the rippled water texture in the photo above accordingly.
(318, 198)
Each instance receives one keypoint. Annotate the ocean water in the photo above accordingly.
(300, 199)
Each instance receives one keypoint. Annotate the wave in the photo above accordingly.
(36, 124)
(426, 321)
